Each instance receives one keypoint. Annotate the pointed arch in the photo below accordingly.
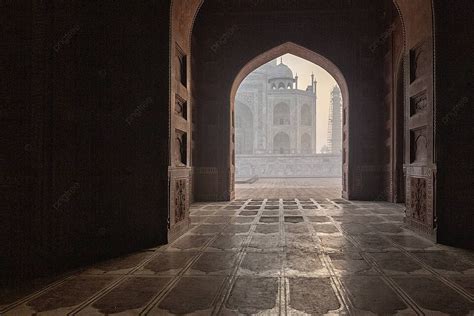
(318, 59)
(297, 50)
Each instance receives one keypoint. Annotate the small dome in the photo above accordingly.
(280, 71)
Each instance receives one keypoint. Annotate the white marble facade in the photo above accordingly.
(273, 116)
(276, 126)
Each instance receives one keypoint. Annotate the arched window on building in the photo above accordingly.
(281, 143)
(306, 118)
(281, 86)
(290, 86)
(243, 129)
(305, 144)
(281, 114)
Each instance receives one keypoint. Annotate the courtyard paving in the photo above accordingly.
(290, 188)
(273, 256)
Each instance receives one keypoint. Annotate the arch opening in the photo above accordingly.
(288, 119)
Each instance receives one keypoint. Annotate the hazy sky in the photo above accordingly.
(325, 84)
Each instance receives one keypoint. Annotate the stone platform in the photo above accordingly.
(274, 166)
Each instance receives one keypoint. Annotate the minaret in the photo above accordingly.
(296, 81)
(335, 122)
(313, 83)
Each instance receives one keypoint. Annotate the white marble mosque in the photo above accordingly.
(275, 126)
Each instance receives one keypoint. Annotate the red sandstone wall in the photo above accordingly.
(227, 39)
(180, 116)
(420, 161)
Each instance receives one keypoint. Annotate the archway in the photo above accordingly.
(281, 110)
(366, 168)
(281, 143)
(281, 114)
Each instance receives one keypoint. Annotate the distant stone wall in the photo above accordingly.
(263, 166)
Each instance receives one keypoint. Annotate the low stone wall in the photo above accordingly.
(271, 166)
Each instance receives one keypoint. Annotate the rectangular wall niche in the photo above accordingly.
(420, 60)
(181, 107)
(418, 145)
(181, 148)
(418, 199)
(182, 66)
(418, 103)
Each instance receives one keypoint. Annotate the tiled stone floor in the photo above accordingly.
(274, 257)
(289, 188)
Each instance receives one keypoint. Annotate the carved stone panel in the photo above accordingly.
(418, 103)
(417, 205)
(180, 199)
(181, 108)
(180, 194)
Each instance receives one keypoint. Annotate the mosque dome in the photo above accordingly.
(280, 71)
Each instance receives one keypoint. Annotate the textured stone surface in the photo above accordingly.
(227, 242)
(294, 219)
(296, 228)
(192, 294)
(466, 282)
(252, 295)
(214, 262)
(120, 264)
(303, 261)
(70, 293)
(318, 218)
(132, 294)
(371, 294)
(302, 267)
(169, 261)
(265, 241)
(433, 295)
(267, 229)
(269, 219)
(191, 242)
(236, 229)
(314, 296)
(261, 263)
(325, 228)
(444, 261)
(396, 262)
(350, 263)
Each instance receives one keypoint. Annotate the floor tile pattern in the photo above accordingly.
(289, 188)
(273, 256)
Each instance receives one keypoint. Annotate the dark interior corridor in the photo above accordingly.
(118, 189)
